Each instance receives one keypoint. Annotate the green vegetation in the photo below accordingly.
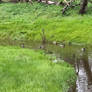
(24, 70)
(25, 21)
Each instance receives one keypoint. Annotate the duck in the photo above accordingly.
(54, 42)
(22, 45)
(41, 47)
(70, 43)
(83, 49)
(62, 45)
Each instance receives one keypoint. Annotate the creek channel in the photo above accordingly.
(81, 61)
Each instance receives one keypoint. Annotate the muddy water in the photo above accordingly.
(82, 61)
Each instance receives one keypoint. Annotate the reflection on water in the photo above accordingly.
(82, 61)
(84, 80)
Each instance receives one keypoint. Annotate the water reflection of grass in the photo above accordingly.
(24, 70)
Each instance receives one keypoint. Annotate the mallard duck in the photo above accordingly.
(41, 47)
(54, 42)
(22, 45)
(62, 45)
(83, 49)
(70, 43)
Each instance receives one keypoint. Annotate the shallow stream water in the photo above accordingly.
(82, 61)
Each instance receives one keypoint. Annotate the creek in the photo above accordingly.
(81, 61)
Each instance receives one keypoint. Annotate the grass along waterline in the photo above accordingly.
(25, 70)
(25, 22)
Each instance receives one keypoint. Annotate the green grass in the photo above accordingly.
(25, 21)
(25, 70)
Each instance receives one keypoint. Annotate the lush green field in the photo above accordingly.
(25, 70)
(25, 21)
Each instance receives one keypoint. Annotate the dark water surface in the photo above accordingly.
(82, 61)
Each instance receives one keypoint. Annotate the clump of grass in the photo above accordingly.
(24, 70)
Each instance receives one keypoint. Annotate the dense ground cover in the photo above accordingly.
(25, 70)
(25, 21)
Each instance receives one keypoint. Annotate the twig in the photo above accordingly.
(66, 6)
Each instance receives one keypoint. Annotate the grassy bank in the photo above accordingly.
(24, 70)
(25, 21)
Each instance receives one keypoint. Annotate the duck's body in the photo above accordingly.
(42, 47)
(22, 45)
(70, 43)
(54, 42)
(83, 49)
(62, 45)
